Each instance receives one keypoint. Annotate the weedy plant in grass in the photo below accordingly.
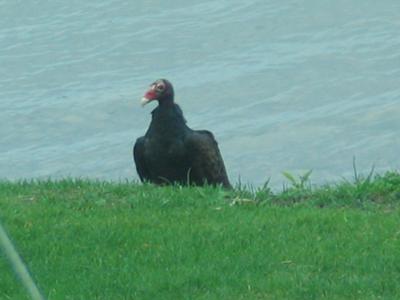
(250, 194)
(300, 183)
(299, 190)
(373, 190)
(363, 191)
(362, 185)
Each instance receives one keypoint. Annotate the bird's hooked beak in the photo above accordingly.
(144, 101)
(149, 96)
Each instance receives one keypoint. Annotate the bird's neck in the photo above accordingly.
(167, 120)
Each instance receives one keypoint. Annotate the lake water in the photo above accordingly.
(283, 85)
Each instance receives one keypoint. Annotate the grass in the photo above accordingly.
(97, 240)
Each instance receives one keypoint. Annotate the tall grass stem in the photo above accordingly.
(19, 267)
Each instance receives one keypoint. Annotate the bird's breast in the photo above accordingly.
(165, 149)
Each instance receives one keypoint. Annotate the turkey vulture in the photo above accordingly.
(170, 152)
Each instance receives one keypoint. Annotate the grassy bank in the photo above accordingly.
(96, 240)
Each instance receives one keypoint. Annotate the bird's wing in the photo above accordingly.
(207, 164)
(138, 156)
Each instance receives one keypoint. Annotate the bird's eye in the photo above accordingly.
(160, 87)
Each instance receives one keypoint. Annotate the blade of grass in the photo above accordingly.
(19, 267)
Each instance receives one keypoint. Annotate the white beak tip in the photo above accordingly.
(144, 101)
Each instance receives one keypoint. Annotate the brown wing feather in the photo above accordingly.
(206, 160)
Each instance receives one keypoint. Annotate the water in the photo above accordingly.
(288, 86)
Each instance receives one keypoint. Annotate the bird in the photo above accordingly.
(170, 152)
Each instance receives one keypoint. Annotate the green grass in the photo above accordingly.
(96, 240)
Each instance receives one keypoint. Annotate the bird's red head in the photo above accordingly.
(160, 90)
